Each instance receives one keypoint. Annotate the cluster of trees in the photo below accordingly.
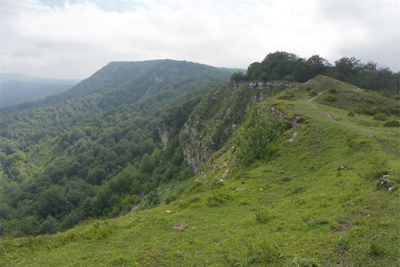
(260, 129)
(98, 170)
(290, 67)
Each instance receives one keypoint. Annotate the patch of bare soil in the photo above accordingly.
(291, 139)
(332, 118)
(179, 227)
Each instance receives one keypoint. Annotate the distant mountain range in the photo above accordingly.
(116, 79)
(17, 88)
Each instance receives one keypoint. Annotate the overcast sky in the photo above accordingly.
(73, 39)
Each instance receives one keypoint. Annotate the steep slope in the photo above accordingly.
(315, 202)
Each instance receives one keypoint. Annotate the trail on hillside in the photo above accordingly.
(339, 122)
(311, 99)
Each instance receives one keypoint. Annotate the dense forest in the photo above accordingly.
(95, 151)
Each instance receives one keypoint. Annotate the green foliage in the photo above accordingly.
(218, 198)
(245, 262)
(128, 201)
(284, 66)
(318, 222)
(289, 78)
(380, 117)
(392, 123)
(375, 250)
(289, 67)
(170, 199)
(147, 164)
(331, 98)
(263, 216)
(53, 202)
(304, 262)
(49, 226)
(260, 129)
(313, 93)
(350, 114)
(286, 96)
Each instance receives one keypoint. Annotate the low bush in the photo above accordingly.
(318, 222)
(170, 199)
(380, 117)
(331, 98)
(313, 93)
(263, 217)
(217, 199)
(392, 123)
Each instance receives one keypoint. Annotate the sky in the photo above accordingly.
(73, 39)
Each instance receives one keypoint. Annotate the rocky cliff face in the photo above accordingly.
(195, 150)
(215, 117)
(163, 131)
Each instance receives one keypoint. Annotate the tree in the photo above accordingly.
(53, 202)
(261, 127)
(316, 66)
(348, 69)
(96, 175)
(147, 164)
(49, 226)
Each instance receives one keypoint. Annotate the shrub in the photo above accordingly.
(289, 78)
(331, 98)
(375, 250)
(303, 262)
(258, 131)
(189, 201)
(392, 123)
(350, 114)
(313, 93)
(263, 217)
(196, 188)
(217, 199)
(318, 223)
(380, 117)
(301, 119)
(332, 91)
(286, 96)
(244, 262)
(170, 199)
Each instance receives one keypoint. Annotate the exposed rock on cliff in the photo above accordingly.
(213, 118)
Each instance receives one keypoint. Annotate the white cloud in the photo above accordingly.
(76, 39)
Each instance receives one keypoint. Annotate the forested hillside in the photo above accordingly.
(97, 148)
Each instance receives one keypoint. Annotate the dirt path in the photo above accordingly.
(339, 122)
(311, 99)
(332, 118)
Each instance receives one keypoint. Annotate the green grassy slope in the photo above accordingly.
(296, 209)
